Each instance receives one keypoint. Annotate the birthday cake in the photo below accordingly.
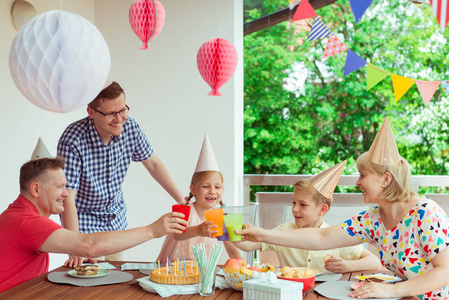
(176, 275)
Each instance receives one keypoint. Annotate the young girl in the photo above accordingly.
(207, 188)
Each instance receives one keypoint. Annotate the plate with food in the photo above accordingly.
(380, 278)
(88, 271)
(316, 271)
(98, 274)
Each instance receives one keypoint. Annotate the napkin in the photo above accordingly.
(387, 278)
(137, 266)
(167, 290)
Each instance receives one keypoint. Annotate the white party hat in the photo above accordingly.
(326, 181)
(206, 161)
(40, 151)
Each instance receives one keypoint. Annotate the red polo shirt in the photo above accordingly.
(22, 233)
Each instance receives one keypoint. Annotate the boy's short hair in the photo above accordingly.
(304, 185)
(400, 188)
(36, 169)
(112, 91)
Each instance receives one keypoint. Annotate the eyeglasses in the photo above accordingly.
(110, 116)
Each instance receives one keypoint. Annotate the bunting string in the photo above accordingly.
(401, 84)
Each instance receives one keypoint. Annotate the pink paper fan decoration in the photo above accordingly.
(147, 19)
(216, 60)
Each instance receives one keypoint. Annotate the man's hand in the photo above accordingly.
(75, 261)
(168, 223)
(249, 233)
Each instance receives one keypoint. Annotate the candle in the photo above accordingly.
(169, 266)
(158, 267)
(166, 267)
(191, 267)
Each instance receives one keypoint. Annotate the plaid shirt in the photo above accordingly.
(96, 171)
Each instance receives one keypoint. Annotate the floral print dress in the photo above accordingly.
(407, 249)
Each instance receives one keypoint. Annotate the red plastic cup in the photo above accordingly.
(185, 209)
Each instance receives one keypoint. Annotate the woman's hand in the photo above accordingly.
(373, 290)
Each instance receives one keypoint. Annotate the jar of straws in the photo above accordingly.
(207, 267)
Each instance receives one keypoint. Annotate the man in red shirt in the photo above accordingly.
(27, 235)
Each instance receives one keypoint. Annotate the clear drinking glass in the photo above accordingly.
(206, 286)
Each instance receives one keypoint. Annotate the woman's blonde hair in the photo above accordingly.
(305, 186)
(399, 189)
(199, 177)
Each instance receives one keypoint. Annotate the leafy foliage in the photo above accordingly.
(293, 127)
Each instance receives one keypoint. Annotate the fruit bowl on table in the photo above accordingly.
(235, 279)
(236, 271)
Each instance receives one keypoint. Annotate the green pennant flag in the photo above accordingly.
(374, 75)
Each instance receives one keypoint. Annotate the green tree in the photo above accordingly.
(331, 118)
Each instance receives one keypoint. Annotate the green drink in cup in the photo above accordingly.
(233, 222)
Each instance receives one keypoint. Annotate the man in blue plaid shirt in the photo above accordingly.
(98, 151)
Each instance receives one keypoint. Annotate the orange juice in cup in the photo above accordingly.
(216, 216)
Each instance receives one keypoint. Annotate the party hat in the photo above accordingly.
(326, 181)
(40, 151)
(383, 150)
(206, 161)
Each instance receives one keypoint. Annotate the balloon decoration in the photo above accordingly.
(147, 18)
(59, 61)
(216, 60)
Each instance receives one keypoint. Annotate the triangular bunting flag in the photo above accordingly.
(292, 3)
(445, 85)
(440, 9)
(304, 11)
(427, 89)
(319, 30)
(353, 62)
(334, 46)
(359, 7)
(374, 75)
(401, 85)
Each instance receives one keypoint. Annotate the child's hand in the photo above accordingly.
(336, 264)
(206, 229)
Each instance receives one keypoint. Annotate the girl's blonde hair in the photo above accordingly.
(305, 186)
(399, 189)
(199, 177)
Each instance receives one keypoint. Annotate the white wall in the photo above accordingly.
(166, 94)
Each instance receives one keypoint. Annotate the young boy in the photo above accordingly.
(312, 199)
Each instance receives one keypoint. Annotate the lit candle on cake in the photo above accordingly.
(166, 267)
(159, 266)
(169, 266)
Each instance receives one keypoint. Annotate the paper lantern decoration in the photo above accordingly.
(59, 61)
(216, 60)
(147, 18)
